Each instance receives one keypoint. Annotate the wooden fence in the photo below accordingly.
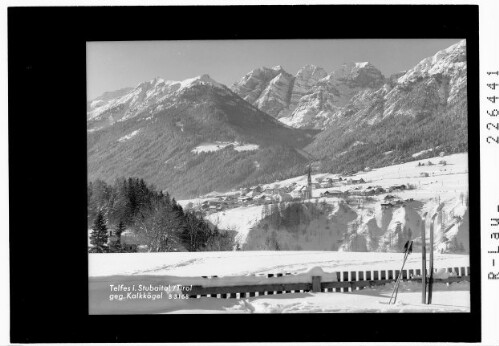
(347, 281)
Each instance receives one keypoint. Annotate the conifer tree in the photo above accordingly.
(98, 237)
(120, 229)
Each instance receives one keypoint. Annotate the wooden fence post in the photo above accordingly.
(360, 278)
(353, 277)
(344, 278)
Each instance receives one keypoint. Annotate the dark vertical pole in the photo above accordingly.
(430, 282)
(423, 255)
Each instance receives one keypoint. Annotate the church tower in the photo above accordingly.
(308, 192)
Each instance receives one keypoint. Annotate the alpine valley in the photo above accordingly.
(195, 136)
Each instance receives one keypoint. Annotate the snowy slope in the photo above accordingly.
(455, 298)
(443, 180)
(376, 226)
(239, 219)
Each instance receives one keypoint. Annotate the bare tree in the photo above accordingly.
(160, 227)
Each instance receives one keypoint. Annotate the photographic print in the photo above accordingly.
(278, 176)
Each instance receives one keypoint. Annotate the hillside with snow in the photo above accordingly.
(188, 137)
(423, 108)
(352, 222)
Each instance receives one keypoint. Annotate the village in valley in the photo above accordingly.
(348, 186)
(295, 192)
(382, 195)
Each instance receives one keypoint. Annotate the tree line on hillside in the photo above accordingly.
(154, 219)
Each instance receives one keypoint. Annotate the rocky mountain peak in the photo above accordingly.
(307, 77)
(202, 79)
(157, 80)
(266, 88)
(264, 73)
(359, 74)
(392, 80)
(156, 92)
(449, 62)
(298, 100)
(150, 83)
(311, 70)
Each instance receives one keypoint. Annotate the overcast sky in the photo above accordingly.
(115, 65)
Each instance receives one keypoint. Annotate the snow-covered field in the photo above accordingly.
(422, 152)
(232, 263)
(239, 219)
(453, 298)
(187, 268)
(211, 147)
(129, 136)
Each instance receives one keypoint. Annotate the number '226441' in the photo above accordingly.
(493, 112)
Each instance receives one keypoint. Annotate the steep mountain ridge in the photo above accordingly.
(130, 102)
(190, 137)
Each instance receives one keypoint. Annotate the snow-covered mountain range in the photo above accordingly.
(189, 137)
(348, 119)
(150, 96)
(312, 96)
(424, 108)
